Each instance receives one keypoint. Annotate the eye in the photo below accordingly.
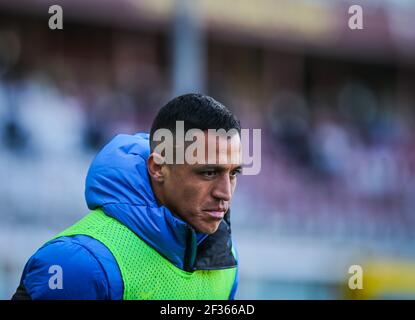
(236, 172)
(208, 173)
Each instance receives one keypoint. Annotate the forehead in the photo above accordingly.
(222, 144)
(221, 150)
(210, 147)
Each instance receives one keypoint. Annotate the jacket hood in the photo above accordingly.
(118, 182)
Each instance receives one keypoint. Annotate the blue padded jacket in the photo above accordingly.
(118, 182)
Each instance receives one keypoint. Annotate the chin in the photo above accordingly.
(210, 229)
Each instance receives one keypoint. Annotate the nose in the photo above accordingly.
(223, 189)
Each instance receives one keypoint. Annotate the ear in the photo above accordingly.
(155, 163)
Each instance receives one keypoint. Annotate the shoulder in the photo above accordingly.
(76, 267)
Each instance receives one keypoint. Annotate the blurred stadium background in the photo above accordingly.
(336, 108)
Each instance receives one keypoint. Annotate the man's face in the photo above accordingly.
(201, 193)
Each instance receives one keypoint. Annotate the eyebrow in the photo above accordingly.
(217, 167)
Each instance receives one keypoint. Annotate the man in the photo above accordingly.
(157, 230)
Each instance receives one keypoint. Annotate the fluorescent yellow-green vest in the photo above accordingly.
(145, 273)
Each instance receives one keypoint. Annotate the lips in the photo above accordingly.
(216, 214)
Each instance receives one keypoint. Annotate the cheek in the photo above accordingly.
(233, 185)
(195, 194)
(180, 189)
(191, 193)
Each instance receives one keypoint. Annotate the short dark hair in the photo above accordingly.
(197, 111)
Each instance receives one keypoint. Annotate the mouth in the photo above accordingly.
(216, 214)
